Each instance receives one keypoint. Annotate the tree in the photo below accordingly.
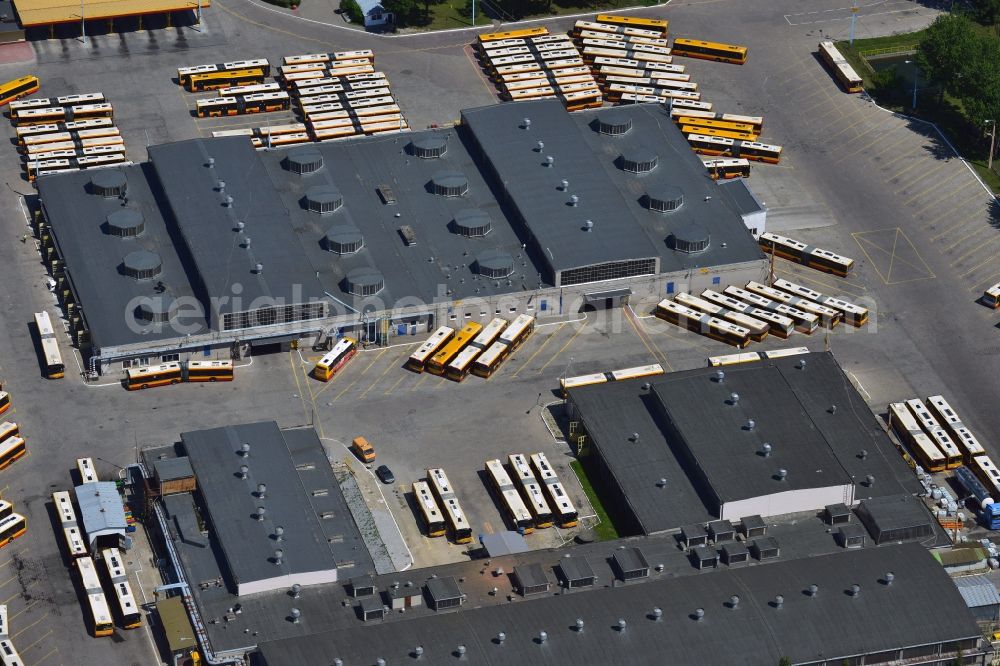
(785, 661)
(407, 12)
(986, 12)
(353, 11)
(946, 50)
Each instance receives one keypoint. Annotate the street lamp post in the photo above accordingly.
(993, 141)
(916, 75)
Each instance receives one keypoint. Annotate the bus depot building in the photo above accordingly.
(766, 438)
(212, 247)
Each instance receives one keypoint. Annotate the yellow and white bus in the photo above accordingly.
(489, 361)
(12, 446)
(805, 322)
(123, 601)
(4, 401)
(153, 375)
(12, 527)
(430, 513)
(99, 619)
(460, 366)
(946, 416)
(991, 296)
(940, 437)
(695, 48)
(563, 511)
(846, 76)
(732, 359)
(18, 88)
(461, 531)
(855, 315)
(8, 653)
(919, 444)
(778, 325)
(85, 468)
(567, 383)
(659, 26)
(438, 339)
(440, 360)
(72, 539)
(519, 330)
(987, 472)
(828, 317)
(226, 79)
(184, 74)
(651, 370)
(531, 492)
(807, 255)
(208, 371)
(513, 507)
(335, 359)
(728, 167)
(784, 353)
(704, 324)
(53, 363)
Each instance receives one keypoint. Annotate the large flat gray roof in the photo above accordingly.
(828, 626)
(232, 503)
(791, 410)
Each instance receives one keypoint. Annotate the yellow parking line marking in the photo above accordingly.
(857, 122)
(9, 580)
(935, 184)
(46, 656)
(991, 280)
(967, 236)
(423, 379)
(974, 250)
(635, 327)
(398, 382)
(23, 629)
(956, 226)
(919, 162)
(24, 609)
(978, 266)
(561, 349)
(363, 372)
(954, 193)
(538, 351)
(869, 144)
(24, 650)
(390, 367)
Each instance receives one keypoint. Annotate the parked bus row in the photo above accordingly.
(703, 323)
(24, 131)
(440, 509)
(240, 104)
(12, 444)
(340, 56)
(805, 254)
(533, 64)
(33, 144)
(938, 440)
(473, 349)
(21, 106)
(175, 372)
(840, 68)
(295, 73)
(34, 115)
(567, 383)
(624, 25)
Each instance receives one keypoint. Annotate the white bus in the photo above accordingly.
(85, 466)
(961, 434)
(510, 500)
(54, 368)
(531, 491)
(75, 545)
(440, 337)
(931, 426)
(562, 507)
(461, 531)
(123, 600)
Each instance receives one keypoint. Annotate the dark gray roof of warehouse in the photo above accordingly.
(93, 256)
(609, 196)
(612, 412)
(246, 542)
(830, 625)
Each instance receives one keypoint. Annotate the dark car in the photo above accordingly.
(385, 474)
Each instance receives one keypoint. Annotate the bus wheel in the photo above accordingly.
(175, 381)
(144, 386)
(211, 379)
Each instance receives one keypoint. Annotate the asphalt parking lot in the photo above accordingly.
(858, 180)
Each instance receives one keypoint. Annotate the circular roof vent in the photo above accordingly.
(639, 160)
(691, 238)
(665, 199)
(365, 281)
(613, 123)
(156, 310)
(344, 239)
(429, 147)
(324, 199)
(108, 183)
(495, 263)
(126, 223)
(473, 223)
(142, 265)
(450, 184)
(305, 160)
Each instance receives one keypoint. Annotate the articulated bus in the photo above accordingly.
(694, 48)
(208, 371)
(123, 601)
(99, 622)
(807, 255)
(18, 88)
(531, 491)
(490, 333)
(828, 317)
(73, 540)
(689, 105)
(512, 34)
(225, 79)
(460, 366)
(461, 531)
(18, 106)
(8, 654)
(636, 372)
(712, 123)
(489, 361)
(12, 527)
(779, 325)
(85, 468)
(12, 446)
(694, 116)
(619, 29)
(704, 324)
(758, 329)
(440, 360)
(563, 511)
(805, 322)
(855, 315)
(784, 353)
(54, 368)
(733, 359)
(919, 444)
(250, 90)
(519, 330)
(4, 401)
(4, 626)
(335, 359)
(510, 500)
(659, 26)
(433, 519)
(986, 470)
(961, 434)
(153, 375)
(567, 383)
(726, 134)
(751, 150)
(624, 40)
(727, 168)
(944, 442)
(184, 74)
(842, 70)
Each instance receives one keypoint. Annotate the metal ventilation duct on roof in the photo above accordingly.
(365, 281)
(473, 223)
(639, 160)
(664, 199)
(450, 184)
(142, 264)
(429, 147)
(495, 264)
(305, 160)
(108, 183)
(613, 123)
(691, 238)
(126, 223)
(156, 310)
(344, 239)
(324, 199)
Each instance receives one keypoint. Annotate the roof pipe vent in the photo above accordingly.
(855, 590)
(501, 637)
(221, 186)
(228, 203)
(579, 624)
(751, 424)
(801, 365)
(588, 226)
(296, 588)
(418, 651)
(699, 613)
(662, 483)
(241, 225)
(338, 662)
(765, 450)
(734, 398)
(782, 474)
(657, 613)
(261, 490)
(889, 577)
(460, 651)
(526, 123)
(779, 601)
(279, 533)
(564, 185)
(245, 450)
(542, 636)
(549, 160)
(258, 269)
(832, 409)
(734, 602)
(540, 146)
(243, 471)
(863, 454)
(574, 200)
(278, 555)
(813, 590)
(720, 376)
(296, 613)
(870, 480)
(210, 163)
(621, 624)
(246, 242)
(260, 513)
